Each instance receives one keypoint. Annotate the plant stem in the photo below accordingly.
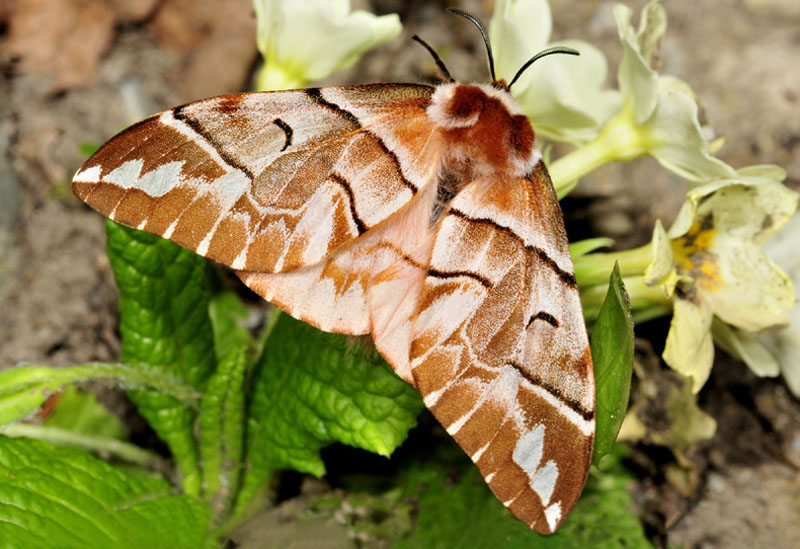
(123, 450)
(619, 140)
(595, 268)
(650, 301)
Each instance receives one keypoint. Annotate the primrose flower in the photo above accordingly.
(308, 40)
(724, 285)
(784, 344)
(659, 113)
(561, 95)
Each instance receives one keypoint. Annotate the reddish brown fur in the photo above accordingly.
(495, 137)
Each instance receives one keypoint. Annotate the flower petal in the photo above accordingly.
(662, 264)
(676, 139)
(689, 349)
(518, 30)
(304, 41)
(563, 95)
(637, 81)
(746, 347)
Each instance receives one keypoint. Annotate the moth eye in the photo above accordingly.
(466, 102)
(522, 134)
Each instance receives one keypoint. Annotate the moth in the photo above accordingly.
(421, 215)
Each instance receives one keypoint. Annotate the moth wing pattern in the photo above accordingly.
(273, 182)
(336, 204)
(267, 181)
(500, 352)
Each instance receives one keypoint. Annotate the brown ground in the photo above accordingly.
(76, 71)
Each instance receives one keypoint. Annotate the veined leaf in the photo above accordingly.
(230, 336)
(164, 321)
(63, 497)
(221, 432)
(612, 354)
(312, 389)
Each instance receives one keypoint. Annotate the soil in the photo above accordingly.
(99, 65)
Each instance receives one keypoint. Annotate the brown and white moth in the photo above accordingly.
(421, 215)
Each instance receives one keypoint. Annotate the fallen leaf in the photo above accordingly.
(664, 412)
(218, 52)
(133, 10)
(64, 40)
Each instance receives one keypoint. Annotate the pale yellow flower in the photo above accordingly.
(713, 261)
(562, 95)
(303, 41)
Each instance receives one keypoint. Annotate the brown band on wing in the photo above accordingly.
(342, 182)
(547, 317)
(565, 276)
(573, 405)
(287, 129)
(455, 274)
(383, 244)
(395, 161)
(177, 112)
(316, 97)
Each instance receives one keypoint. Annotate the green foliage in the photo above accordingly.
(612, 355)
(230, 420)
(457, 509)
(24, 389)
(80, 412)
(312, 389)
(164, 321)
(221, 432)
(63, 497)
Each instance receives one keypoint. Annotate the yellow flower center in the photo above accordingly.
(693, 256)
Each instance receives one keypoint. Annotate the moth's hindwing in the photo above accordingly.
(500, 352)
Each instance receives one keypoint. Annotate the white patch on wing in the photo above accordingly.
(316, 225)
(544, 481)
(168, 233)
(529, 449)
(202, 248)
(229, 188)
(158, 182)
(553, 515)
(241, 259)
(479, 452)
(126, 175)
(89, 175)
(448, 312)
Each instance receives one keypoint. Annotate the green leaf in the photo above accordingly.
(80, 412)
(221, 436)
(612, 354)
(312, 389)
(464, 512)
(63, 497)
(164, 321)
(227, 314)
(24, 389)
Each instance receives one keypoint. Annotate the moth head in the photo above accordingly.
(481, 124)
